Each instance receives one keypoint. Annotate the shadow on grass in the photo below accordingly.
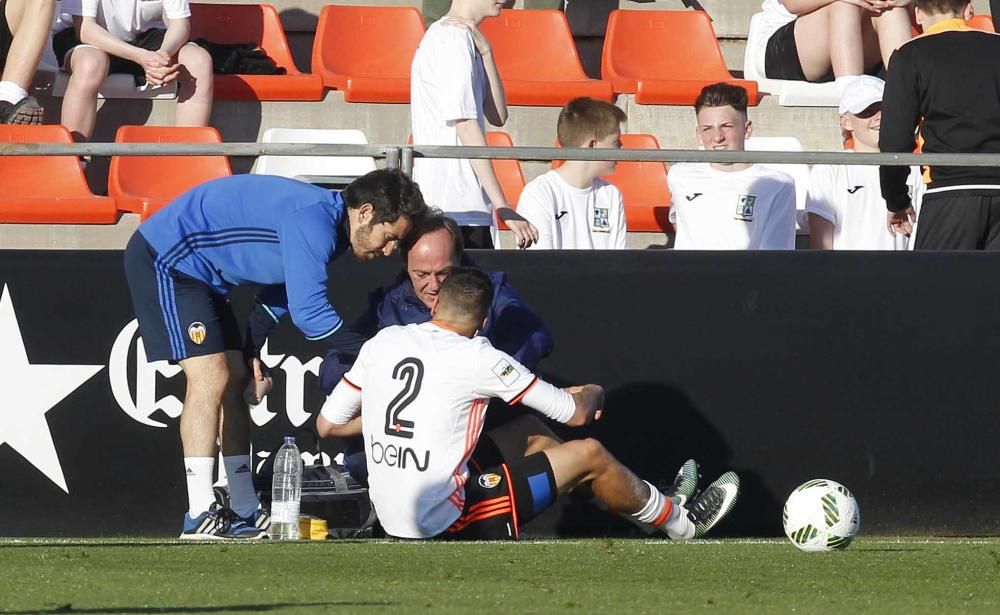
(251, 608)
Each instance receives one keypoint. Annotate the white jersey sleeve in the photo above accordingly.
(551, 401)
(820, 200)
(344, 402)
(500, 375)
(176, 9)
(457, 98)
(779, 229)
(537, 207)
(83, 8)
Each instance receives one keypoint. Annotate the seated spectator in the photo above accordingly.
(572, 207)
(24, 29)
(845, 205)
(823, 40)
(729, 206)
(147, 39)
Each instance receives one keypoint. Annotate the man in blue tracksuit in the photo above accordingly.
(248, 229)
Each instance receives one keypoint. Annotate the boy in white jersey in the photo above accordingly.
(572, 207)
(729, 206)
(419, 394)
(454, 88)
(845, 205)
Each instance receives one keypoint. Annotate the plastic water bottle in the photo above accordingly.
(286, 492)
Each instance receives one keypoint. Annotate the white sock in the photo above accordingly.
(661, 513)
(242, 495)
(199, 472)
(11, 92)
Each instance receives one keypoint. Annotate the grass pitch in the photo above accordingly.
(875, 575)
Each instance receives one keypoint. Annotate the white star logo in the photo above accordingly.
(29, 392)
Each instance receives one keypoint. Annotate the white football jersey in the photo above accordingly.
(850, 197)
(752, 209)
(570, 218)
(423, 391)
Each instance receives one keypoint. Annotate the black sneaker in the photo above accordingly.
(685, 485)
(26, 112)
(714, 503)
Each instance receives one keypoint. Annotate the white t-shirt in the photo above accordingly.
(752, 209)
(850, 197)
(126, 19)
(570, 218)
(448, 84)
(423, 391)
(763, 25)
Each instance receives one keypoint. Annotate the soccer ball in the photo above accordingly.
(821, 515)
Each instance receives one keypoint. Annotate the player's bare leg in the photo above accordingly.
(235, 432)
(207, 377)
(587, 461)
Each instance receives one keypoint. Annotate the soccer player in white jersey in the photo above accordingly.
(454, 88)
(572, 207)
(729, 206)
(845, 205)
(418, 394)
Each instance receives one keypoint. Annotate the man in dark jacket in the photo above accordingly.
(947, 82)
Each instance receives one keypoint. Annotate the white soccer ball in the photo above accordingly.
(821, 515)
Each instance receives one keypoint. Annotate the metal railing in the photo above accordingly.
(402, 156)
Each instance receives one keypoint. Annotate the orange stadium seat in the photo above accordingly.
(47, 189)
(982, 22)
(537, 59)
(644, 188)
(144, 184)
(366, 51)
(233, 24)
(665, 57)
(508, 172)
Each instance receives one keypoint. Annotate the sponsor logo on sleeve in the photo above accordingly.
(506, 372)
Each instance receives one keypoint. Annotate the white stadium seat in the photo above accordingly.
(346, 167)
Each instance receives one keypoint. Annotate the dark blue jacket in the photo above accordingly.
(511, 326)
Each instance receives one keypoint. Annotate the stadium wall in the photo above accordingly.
(870, 369)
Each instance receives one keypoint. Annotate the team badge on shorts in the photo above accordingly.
(744, 207)
(489, 481)
(197, 333)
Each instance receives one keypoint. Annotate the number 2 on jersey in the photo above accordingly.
(411, 372)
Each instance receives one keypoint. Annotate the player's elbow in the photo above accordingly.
(327, 429)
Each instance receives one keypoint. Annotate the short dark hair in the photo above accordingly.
(391, 193)
(584, 118)
(435, 220)
(469, 291)
(721, 95)
(939, 7)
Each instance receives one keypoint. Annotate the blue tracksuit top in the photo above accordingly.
(257, 229)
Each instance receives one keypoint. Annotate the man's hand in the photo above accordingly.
(259, 386)
(590, 397)
(902, 221)
(482, 45)
(525, 232)
(158, 66)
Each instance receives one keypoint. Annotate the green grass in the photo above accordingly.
(877, 575)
